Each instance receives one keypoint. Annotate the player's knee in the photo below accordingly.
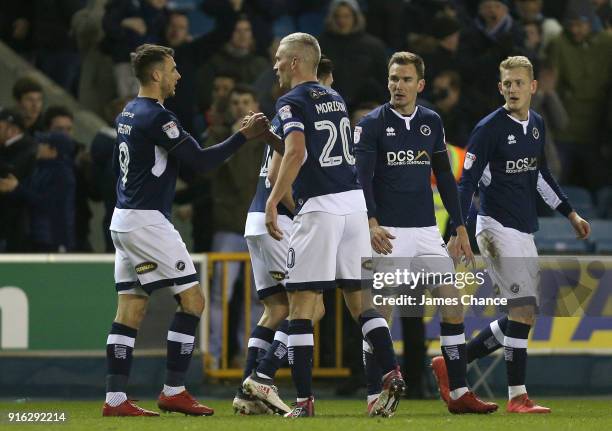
(131, 313)
(192, 301)
(319, 312)
(524, 314)
(275, 313)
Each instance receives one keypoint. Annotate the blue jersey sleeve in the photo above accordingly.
(478, 153)
(447, 187)
(166, 131)
(290, 115)
(547, 186)
(366, 146)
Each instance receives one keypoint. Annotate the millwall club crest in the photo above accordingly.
(536, 133)
(425, 130)
(171, 130)
(357, 134)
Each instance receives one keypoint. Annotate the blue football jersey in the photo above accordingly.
(403, 147)
(146, 133)
(262, 193)
(505, 161)
(329, 166)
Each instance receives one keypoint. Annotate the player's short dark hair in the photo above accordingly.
(244, 89)
(405, 58)
(326, 66)
(24, 85)
(146, 56)
(55, 111)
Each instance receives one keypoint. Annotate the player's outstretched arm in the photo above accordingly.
(580, 225)
(206, 159)
(295, 149)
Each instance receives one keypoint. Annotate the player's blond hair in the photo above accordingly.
(516, 61)
(305, 46)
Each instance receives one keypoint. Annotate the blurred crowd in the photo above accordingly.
(47, 179)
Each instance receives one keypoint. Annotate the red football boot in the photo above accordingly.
(522, 404)
(438, 368)
(183, 403)
(126, 408)
(469, 403)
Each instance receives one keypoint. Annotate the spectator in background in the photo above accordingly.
(494, 36)
(385, 20)
(447, 102)
(533, 42)
(128, 24)
(266, 85)
(237, 56)
(603, 9)
(49, 194)
(28, 95)
(54, 46)
(59, 119)
(17, 159)
(217, 116)
(97, 85)
(15, 27)
(530, 11)
(189, 55)
(260, 13)
(360, 111)
(548, 104)
(446, 29)
(583, 60)
(233, 186)
(360, 60)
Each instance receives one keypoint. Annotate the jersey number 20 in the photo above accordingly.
(325, 158)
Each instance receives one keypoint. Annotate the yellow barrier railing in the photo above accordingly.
(221, 369)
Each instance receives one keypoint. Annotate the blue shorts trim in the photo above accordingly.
(351, 285)
(317, 286)
(150, 287)
(269, 291)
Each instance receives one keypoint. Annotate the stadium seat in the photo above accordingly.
(601, 235)
(604, 202)
(581, 200)
(557, 236)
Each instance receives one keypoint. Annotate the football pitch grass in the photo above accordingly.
(341, 415)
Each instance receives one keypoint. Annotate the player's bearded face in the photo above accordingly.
(517, 87)
(404, 85)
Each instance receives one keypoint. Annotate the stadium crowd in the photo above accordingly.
(48, 179)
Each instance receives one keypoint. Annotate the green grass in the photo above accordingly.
(568, 414)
